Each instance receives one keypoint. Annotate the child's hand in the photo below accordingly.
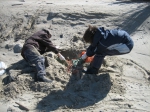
(84, 56)
(61, 57)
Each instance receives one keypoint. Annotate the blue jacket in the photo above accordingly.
(110, 40)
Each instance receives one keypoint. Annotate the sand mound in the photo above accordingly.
(70, 91)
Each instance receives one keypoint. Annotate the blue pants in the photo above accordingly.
(33, 57)
(98, 58)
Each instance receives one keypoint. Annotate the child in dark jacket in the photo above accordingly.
(102, 43)
(34, 47)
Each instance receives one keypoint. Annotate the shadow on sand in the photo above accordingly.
(133, 22)
(18, 68)
(130, 1)
(77, 94)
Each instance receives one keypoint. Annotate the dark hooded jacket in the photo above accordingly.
(40, 40)
(106, 38)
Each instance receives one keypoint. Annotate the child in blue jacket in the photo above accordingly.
(102, 43)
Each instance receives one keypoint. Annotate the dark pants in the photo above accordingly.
(33, 57)
(98, 58)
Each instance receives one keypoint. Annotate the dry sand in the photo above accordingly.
(122, 84)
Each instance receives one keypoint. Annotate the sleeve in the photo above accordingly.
(52, 48)
(90, 51)
(49, 45)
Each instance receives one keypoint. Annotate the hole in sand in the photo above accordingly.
(71, 54)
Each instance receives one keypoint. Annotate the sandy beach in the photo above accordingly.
(123, 83)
